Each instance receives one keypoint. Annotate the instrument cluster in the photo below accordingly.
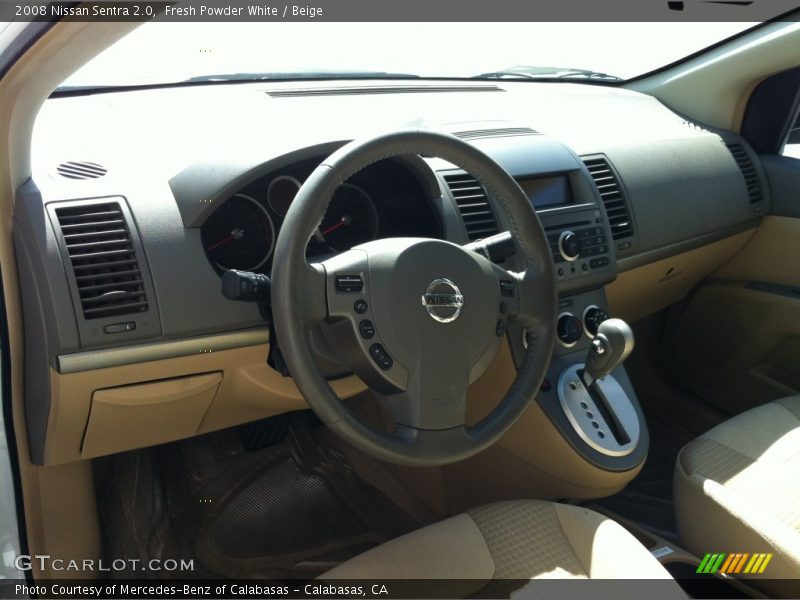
(384, 200)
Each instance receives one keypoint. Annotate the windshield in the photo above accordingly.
(158, 53)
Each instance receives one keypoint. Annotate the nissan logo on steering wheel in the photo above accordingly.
(443, 300)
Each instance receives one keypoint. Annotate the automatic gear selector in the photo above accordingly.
(595, 403)
(611, 345)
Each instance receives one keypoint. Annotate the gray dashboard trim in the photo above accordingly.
(643, 258)
(783, 177)
(116, 357)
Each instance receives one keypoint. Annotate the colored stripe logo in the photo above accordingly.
(733, 563)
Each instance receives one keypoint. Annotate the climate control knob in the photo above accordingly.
(569, 245)
(569, 329)
(592, 317)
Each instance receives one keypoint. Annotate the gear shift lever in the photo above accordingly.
(601, 410)
(611, 345)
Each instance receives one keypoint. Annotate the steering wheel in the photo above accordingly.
(417, 319)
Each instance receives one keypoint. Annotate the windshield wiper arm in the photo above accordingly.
(532, 73)
(589, 74)
(506, 75)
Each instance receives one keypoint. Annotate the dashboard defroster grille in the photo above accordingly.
(474, 134)
(476, 212)
(754, 191)
(619, 218)
(107, 270)
(81, 170)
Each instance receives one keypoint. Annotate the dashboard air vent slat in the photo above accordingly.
(99, 245)
(619, 218)
(81, 170)
(470, 197)
(754, 191)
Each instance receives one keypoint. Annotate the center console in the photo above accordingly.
(599, 415)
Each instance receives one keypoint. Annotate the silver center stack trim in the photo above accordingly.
(587, 420)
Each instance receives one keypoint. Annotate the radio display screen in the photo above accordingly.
(547, 192)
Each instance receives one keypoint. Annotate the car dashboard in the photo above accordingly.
(140, 201)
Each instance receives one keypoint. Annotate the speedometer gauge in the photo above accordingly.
(351, 219)
(239, 235)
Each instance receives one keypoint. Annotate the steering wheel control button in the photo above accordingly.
(360, 306)
(507, 288)
(569, 245)
(569, 329)
(443, 300)
(349, 283)
(366, 329)
(381, 357)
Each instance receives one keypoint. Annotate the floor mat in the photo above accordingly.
(293, 509)
(647, 500)
(674, 418)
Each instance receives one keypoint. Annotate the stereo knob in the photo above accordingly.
(592, 317)
(569, 329)
(569, 245)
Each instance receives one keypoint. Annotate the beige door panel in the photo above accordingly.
(771, 255)
(736, 341)
(738, 347)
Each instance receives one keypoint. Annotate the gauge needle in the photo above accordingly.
(234, 235)
(344, 221)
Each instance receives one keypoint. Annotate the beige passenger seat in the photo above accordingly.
(737, 490)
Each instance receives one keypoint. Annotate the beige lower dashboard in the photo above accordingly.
(112, 409)
(656, 285)
(116, 408)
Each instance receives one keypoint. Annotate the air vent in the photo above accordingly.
(383, 89)
(488, 133)
(619, 218)
(754, 191)
(473, 205)
(81, 170)
(107, 272)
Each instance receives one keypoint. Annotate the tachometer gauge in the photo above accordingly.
(351, 219)
(239, 235)
(281, 193)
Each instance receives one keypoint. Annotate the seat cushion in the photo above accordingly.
(515, 540)
(737, 489)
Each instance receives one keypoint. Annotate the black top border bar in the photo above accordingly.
(405, 11)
